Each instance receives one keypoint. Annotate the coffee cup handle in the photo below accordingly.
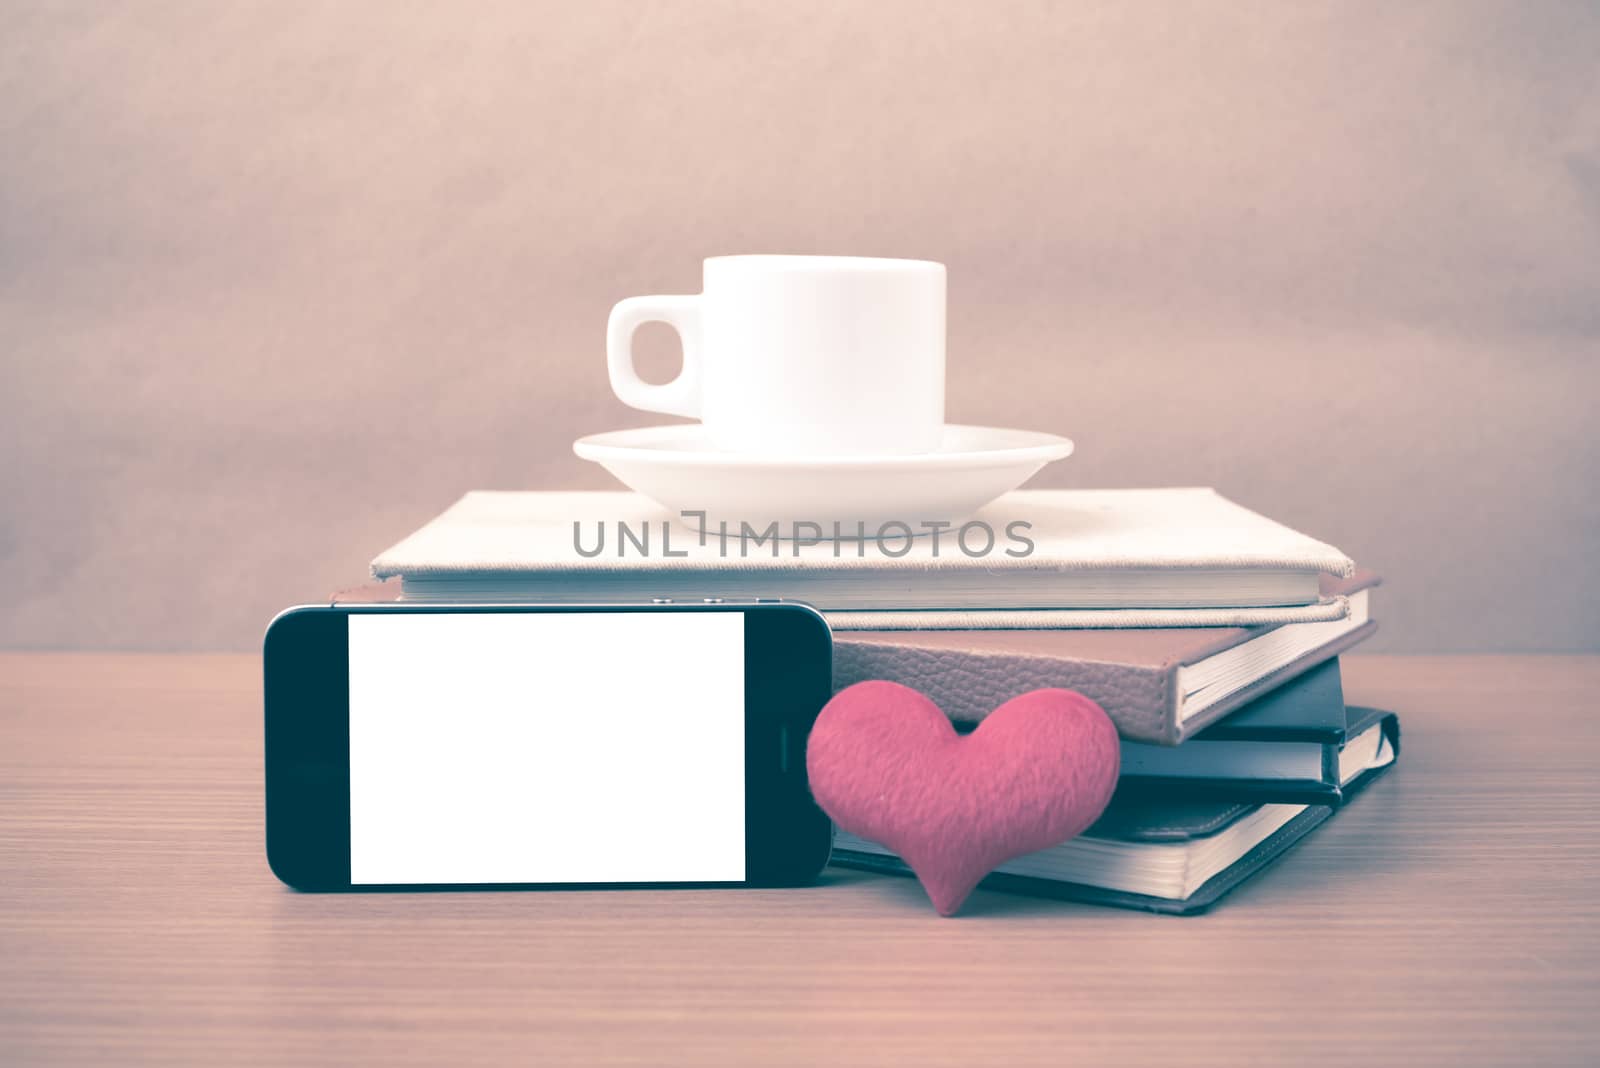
(681, 396)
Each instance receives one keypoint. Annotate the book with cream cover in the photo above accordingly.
(1033, 558)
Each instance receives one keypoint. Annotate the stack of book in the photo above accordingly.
(1210, 635)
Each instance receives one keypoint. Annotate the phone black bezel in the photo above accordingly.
(788, 678)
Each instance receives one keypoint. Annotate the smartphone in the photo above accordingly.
(448, 746)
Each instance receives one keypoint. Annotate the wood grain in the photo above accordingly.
(1448, 916)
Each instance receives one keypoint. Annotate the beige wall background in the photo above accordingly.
(278, 282)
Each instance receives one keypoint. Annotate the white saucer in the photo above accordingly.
(677, 467)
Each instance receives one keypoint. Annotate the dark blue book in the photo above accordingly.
(1296, 744)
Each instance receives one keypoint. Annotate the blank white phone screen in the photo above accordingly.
(546, 747)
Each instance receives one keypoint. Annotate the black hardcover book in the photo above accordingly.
(1158, 852)
(1296, 744)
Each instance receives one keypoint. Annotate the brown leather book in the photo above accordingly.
(1158, 685)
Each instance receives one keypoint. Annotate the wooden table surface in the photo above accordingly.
(1449, 915)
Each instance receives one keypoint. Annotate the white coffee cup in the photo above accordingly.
(799, 355)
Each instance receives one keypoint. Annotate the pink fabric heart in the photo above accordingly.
(887, 766)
